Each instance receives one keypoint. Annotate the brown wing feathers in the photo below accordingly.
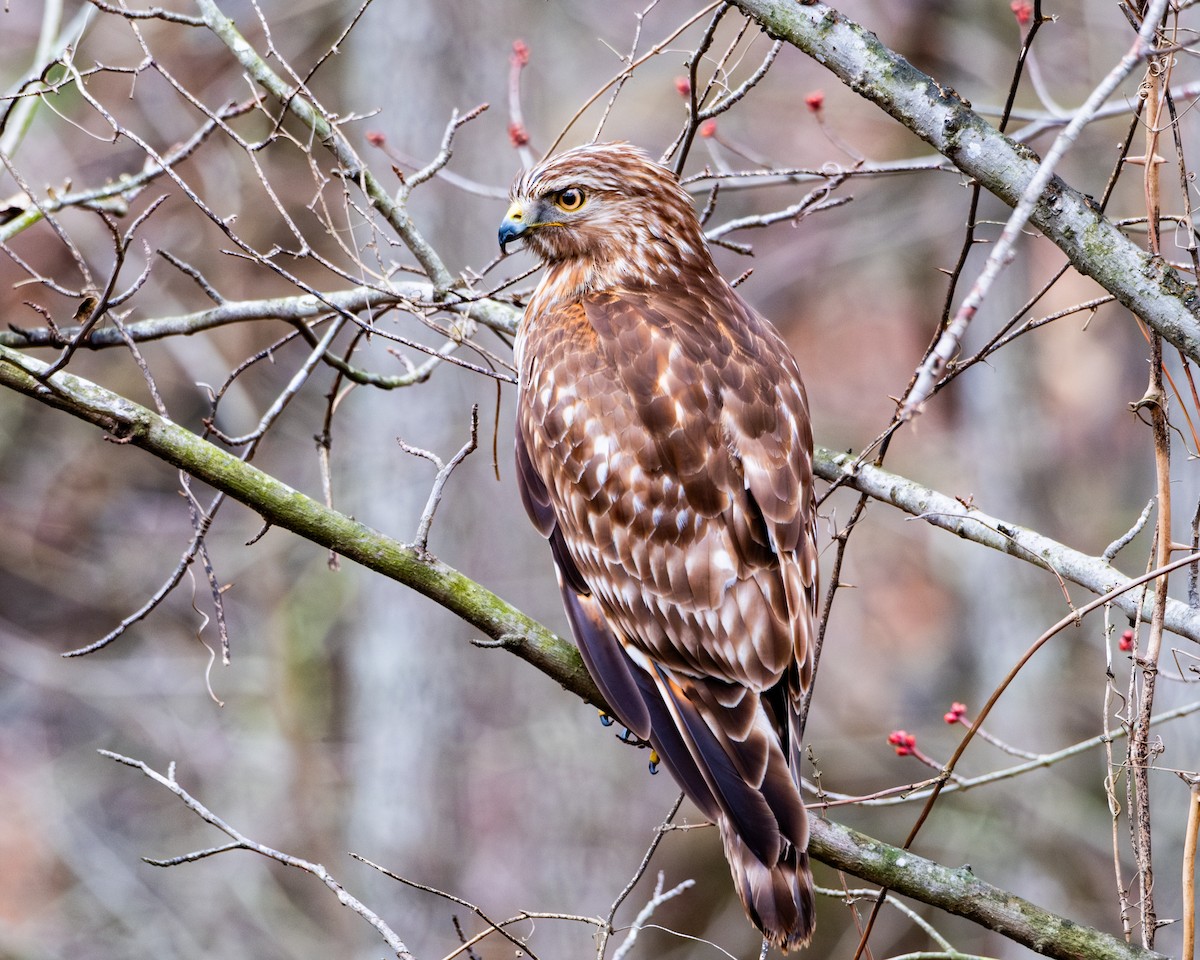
(663, 448)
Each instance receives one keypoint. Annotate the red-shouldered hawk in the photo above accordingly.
(664, 449)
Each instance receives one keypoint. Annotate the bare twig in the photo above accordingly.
(331, 137)
(693, 64)
(1004, 250)
(1139, 740)
(657, 899)
(518, 132)
(499, 316)
(912, 792)
(154, 13)
(607, 930)
(649, 54)
(814, 201)
(1111, 551)
(421, 542)
(1191, 833)
(492, 925)
(242, 842)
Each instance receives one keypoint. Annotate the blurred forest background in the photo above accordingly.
(355, 715)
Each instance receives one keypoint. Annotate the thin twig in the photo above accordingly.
(607, 930)
(910, 793)
(493, 926)
(242, 842)
(657, 899)
(420, 543)
(1004, 250)
(1191, 833)
(1111, 551)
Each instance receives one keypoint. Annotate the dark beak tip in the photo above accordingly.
(508, 233)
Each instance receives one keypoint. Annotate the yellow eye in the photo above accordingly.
(570, 199)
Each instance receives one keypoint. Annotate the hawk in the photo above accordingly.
(664, 449)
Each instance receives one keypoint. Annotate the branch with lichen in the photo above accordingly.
(97, 405)
(1150, 288)
(964, 520)
(960, 892)
(282, 506)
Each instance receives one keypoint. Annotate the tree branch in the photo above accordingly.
(960, 892)
(1146, 285)
(242, 842)
(495, 314)
(947, 512)
(283, 506)
(393, 210)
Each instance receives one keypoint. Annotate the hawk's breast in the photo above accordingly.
(622, 414)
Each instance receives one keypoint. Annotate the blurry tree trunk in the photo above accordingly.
(396, 683)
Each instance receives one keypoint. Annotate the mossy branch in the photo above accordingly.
(1150, 288)
(960, 892)
(283, 506)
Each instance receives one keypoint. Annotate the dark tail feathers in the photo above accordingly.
(778, 899)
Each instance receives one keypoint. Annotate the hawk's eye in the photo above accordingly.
(570, 199)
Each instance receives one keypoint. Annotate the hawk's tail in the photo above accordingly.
(779, 899)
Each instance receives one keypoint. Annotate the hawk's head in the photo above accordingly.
(610, 209)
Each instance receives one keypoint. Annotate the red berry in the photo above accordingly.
(520, 53)
(957, 712)
(517, 134)
(1126, 642)
(376, 139)
(684, 86)
(1023, 10)
(903, 741)
(815, 101)
(708, 128)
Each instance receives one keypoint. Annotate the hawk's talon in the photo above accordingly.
(655, 760)
(606, 719)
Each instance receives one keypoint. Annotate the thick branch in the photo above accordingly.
(285, 507)
(938, 115)
(940, 510)
(960, 892)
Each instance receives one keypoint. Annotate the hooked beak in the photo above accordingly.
(513, 227)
